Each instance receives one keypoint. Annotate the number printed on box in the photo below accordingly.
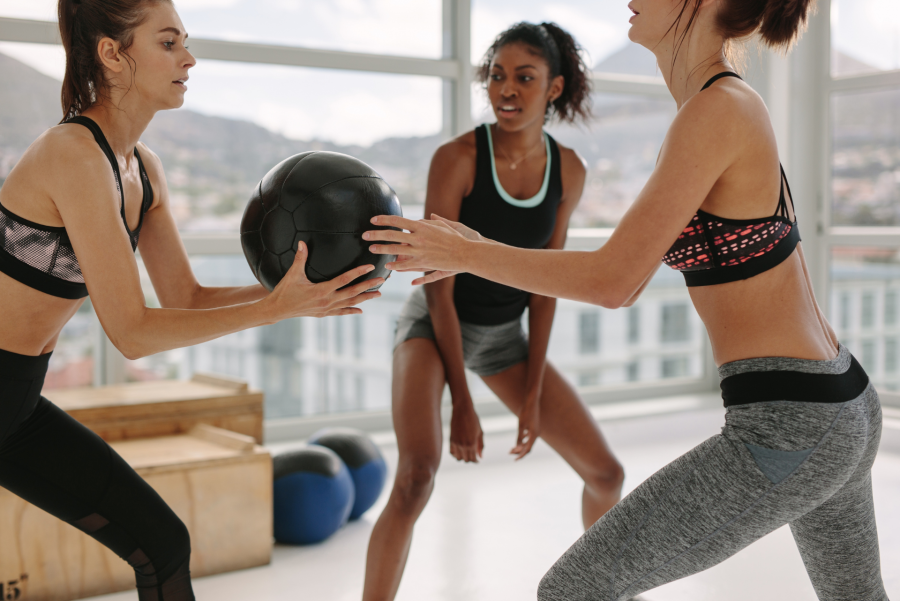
(14, 590)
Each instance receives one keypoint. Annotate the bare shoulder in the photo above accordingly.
(453, 165)
(571, 162)
(66, 151)
(460, 149)
(730, 108)
(573, 170)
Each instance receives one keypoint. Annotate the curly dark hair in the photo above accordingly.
(564, 57)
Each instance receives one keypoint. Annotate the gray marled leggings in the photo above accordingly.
(807, 464)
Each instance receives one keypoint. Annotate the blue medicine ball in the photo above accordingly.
(367, 466)
(313, 495)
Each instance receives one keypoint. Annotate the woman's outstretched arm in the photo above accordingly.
(698, 149)
(166, 259)
(84, 192)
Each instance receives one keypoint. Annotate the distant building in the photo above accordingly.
(313, 366)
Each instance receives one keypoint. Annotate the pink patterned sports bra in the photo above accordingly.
(714, 250)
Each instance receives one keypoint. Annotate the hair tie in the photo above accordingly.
(551, 43)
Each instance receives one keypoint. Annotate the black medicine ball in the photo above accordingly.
(325, 199)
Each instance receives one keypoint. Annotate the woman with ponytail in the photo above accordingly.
(72, 212)
(803, 421)
(513, 181)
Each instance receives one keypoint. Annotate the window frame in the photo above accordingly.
(456, 70)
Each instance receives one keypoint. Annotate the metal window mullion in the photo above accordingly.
(809, 143)
(868, 82)
(46, 32)
(617, 83)
(462, 52)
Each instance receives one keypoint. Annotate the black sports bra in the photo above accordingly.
(715, 250)
(40, 256)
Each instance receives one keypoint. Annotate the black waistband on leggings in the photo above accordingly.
(762, 386)
(14, 366)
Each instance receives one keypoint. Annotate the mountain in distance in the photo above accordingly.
(631, 59)
(212, 163)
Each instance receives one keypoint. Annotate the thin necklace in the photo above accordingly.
(514, 164)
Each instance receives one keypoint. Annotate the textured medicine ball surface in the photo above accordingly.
(313, 495)
(361, 455)
(352, 446)
(325, 199)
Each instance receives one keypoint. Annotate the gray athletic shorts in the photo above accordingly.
(487, 350)
(776, 462)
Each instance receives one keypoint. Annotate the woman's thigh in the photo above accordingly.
(57, 464)
(712, 502)
(566, 423)
(417, 387)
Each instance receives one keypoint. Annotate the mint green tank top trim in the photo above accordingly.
(534, 200)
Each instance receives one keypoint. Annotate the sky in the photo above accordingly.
(349, 107)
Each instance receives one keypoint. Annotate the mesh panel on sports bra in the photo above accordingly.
(708, 242)
(46, 250)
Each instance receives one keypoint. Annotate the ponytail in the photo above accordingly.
(563, 56)
(82, 24)
(778, 22)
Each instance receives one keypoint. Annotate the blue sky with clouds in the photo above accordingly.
(360, 108)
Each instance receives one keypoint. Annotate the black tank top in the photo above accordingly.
(41, 256)
(490, 210)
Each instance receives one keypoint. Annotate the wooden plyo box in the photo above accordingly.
(219, 483)
(164, 408)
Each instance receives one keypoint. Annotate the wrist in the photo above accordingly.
(461, 400)
(267, 310)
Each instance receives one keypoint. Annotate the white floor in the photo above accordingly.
(492, 530)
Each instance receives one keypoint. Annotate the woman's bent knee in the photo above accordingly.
(607, 478)
(414, 484)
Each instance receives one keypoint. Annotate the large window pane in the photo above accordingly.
(402, 27)
(317, 366)
(29, 9)
(865, 287)
(866, 158)
(660, 337)
(306, 366)
(30, 99)
(601, 27)
(865, 36)
(405, 27)
(240, 120)
(72, 363)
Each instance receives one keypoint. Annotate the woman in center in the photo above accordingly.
(513, 182)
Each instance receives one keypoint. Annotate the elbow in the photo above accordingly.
(611, 299)
(129, 348)
(128, 345)
(128, 340)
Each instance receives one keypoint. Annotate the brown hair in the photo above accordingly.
(779, 23)
(562, 54)
(82, 24)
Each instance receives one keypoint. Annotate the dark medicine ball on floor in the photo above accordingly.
(361, 455)
(313, 495)
(325, 199)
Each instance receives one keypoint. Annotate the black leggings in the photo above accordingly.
(55, 463)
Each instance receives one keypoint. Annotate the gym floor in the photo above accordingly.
(492, 530)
